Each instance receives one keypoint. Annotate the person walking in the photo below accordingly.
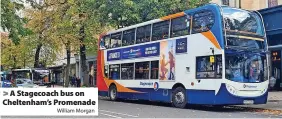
(78, 82)
(73, 80)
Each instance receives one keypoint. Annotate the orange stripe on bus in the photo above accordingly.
(172, 16)
(108, 81)
(212, 38)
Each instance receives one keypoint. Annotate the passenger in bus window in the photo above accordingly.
(146, 39)
(102, 44)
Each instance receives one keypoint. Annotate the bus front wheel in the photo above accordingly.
(113, 93)
(179, 97)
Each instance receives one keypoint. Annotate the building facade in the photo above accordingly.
(249, 4)
(272, 19)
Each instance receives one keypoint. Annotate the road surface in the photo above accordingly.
(146, 109)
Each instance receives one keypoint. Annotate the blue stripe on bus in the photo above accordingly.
(194, 96)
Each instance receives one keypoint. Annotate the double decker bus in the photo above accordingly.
(211, 55)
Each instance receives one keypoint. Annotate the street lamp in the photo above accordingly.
(64, 73)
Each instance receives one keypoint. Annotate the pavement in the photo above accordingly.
(274, 102)
(146, 109)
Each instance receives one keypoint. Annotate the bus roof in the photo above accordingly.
(29, 69)
(21, 69)
(171, 16)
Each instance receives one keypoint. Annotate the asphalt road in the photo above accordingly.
(146, 109)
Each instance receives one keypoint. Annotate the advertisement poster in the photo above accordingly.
(134, 52)
(167, 61)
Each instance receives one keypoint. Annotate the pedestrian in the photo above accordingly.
(73, 80)
(78, 82)
(90, 79)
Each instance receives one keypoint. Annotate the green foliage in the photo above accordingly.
(11, 22)
(56, 24)
(121, 13)
(16, 56)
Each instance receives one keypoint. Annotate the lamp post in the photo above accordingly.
(65, 76)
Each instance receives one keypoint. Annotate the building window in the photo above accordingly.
(116, 40)
(154, 69)
(272, 3)
(180, 26)
(114, 71)
(203, 21)
(128, 37)
(160, 30)
(225, 2)
(143, 34)
(127, 71)
(274, 40)
(142, 70)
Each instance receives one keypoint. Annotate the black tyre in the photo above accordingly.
(179, 97)
(113, 93)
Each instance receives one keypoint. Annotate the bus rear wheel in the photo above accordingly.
(113, 93)
(179, 97)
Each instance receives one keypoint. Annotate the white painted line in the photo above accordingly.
(117, 113)
(110, 115)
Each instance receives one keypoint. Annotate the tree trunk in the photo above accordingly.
(14, 62)
(36, 57)
(83, 57)
(68, 65)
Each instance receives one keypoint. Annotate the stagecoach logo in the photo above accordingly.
(248, 86)
(146, 83)
(156, 86)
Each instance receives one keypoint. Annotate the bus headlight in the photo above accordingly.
(231, 89)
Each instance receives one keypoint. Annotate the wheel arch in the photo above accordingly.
(174, 87)
(112, 84)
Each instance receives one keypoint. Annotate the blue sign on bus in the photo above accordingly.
(134, 52)
(181, 45)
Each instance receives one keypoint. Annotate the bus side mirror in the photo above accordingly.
(212, 49)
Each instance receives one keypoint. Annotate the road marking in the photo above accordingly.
(110, 115)
(117, 113)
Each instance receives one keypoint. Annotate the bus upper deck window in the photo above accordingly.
(102, 43)
(180, 26)
(128, 37)
(160, 30)
(116, 40)
(107, 41)
(202, 21)
(143, 34)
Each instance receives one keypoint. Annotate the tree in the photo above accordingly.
(89, 28)
(121, 13)
(40, 18)
(11, 21)
(16, 56)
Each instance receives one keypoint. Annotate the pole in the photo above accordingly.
(79, 70)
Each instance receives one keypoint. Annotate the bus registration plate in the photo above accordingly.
(248, 102)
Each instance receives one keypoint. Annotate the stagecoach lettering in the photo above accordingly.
(146, 83)
(114, 55)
